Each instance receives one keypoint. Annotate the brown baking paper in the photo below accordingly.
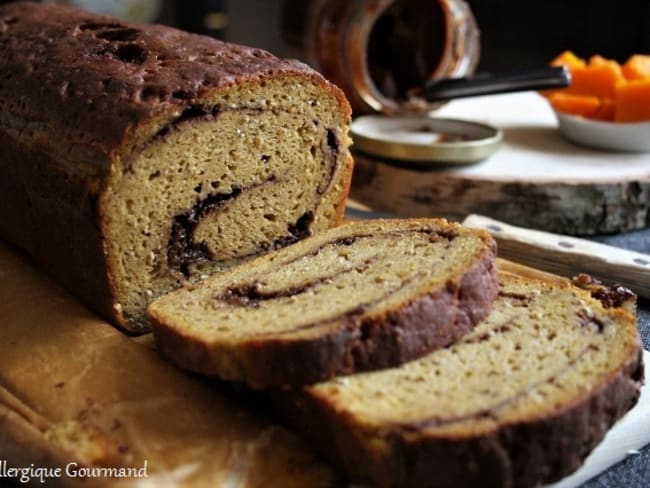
(76, 393)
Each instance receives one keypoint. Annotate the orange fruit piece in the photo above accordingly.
(603, 89)
(606, 111)
(570, 103)
(599, 78)
(633, 101)
(570, 60)
(637, 67)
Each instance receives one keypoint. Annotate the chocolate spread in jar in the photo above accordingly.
(406, 45)
(379, 51)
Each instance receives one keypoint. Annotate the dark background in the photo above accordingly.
(519, 33)
(514, 33)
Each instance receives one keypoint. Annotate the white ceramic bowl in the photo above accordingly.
(614, 136)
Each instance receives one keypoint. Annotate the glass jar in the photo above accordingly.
(381, 51)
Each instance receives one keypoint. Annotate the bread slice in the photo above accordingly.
(136, 157)
(519, 401)
(365, 295)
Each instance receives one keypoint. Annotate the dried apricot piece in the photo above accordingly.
(599, 78)
(571, 103)
(570, 60)
(633, 101)
(637, 67)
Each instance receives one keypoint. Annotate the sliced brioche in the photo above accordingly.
(519, 401)
(363, 296)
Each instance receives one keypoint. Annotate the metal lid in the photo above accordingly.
(425, 140)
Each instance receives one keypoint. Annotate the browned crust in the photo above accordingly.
(134, 72)
(52, 214)
(427, 322)
(86, 109)
(540, 450)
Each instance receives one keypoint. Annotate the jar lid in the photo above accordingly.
(428, 140)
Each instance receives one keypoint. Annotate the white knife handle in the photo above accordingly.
(568, 256)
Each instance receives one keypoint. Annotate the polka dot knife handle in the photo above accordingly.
(568, 256)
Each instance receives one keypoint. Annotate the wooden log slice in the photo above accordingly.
(536, 179)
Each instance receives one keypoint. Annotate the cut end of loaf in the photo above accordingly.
(362, 296)
(252, 168)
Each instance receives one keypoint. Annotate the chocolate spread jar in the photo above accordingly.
(381, 51)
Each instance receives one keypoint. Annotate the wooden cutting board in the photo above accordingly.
(536, 179)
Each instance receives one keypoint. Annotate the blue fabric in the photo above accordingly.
(643, 321)
(633, 472)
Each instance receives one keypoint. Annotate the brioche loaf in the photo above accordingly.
(134, 158)
(519, 401)
(364, 295)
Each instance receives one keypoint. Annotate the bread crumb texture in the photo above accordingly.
(393, 287)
